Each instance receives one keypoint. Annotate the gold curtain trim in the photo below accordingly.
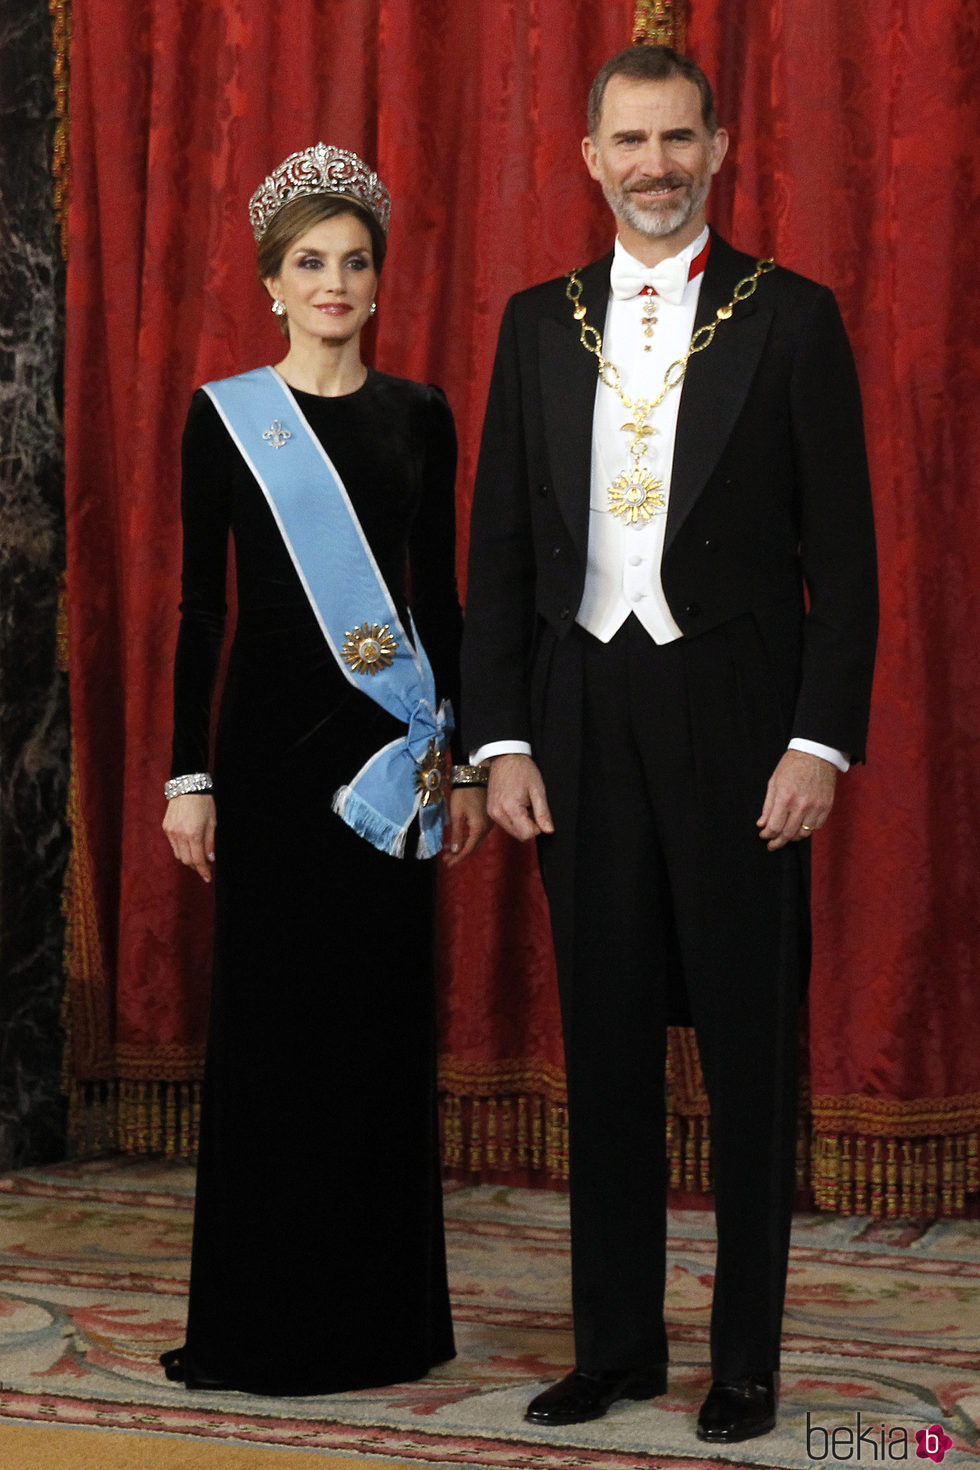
(476, 1079)
(175, 1062)
(889, 1158)
(60, 11)
(885, 1117)
(661, 23)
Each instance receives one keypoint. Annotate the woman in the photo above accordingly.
(318, 1261)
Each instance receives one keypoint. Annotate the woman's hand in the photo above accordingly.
(467, 823)
(189, 824)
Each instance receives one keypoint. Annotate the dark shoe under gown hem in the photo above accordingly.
(180, 1368)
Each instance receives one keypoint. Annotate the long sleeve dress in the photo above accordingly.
(318, 1260)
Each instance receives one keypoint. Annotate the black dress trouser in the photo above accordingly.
(666, 881)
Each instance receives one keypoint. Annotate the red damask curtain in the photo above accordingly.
(853, 161)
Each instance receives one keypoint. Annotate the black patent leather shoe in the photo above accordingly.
(581, 1396)
(735, 1411)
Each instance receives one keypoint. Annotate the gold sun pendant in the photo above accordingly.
(431, 774)
(635, 495)
(369, 648)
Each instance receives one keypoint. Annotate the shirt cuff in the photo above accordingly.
(825, 752)
(499, 747)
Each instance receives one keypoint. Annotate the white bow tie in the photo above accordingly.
(668, 279)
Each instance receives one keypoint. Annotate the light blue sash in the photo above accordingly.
(352, 605)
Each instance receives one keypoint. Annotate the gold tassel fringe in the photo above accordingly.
(527, 1135)
(889, 1178)
(161, 1118)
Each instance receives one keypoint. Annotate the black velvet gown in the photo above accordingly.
(318, 1261)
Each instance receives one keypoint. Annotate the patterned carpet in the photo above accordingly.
(883, 1321)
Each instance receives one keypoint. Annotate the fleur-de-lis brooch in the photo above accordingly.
(276, 435)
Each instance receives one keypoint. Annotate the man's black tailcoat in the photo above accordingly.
(769, 571)
(769, 491)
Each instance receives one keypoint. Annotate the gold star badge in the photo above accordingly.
(369, 648)
(431, 774)
(635, 495)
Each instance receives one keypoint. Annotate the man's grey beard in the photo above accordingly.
(659, 220)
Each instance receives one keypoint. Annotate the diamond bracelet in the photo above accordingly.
(185, 785)
(470, 775)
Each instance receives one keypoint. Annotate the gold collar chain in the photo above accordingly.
(636, 493)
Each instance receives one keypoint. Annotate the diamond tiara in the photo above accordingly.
(321, 169)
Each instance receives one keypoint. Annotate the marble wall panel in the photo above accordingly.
(33, 695)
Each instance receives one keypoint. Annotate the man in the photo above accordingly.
(670, 635)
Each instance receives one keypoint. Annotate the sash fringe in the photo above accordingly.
(367, 823)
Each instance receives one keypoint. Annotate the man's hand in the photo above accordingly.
(798, 799)
(516, 798)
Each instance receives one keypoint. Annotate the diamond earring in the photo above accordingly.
(278, 309)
